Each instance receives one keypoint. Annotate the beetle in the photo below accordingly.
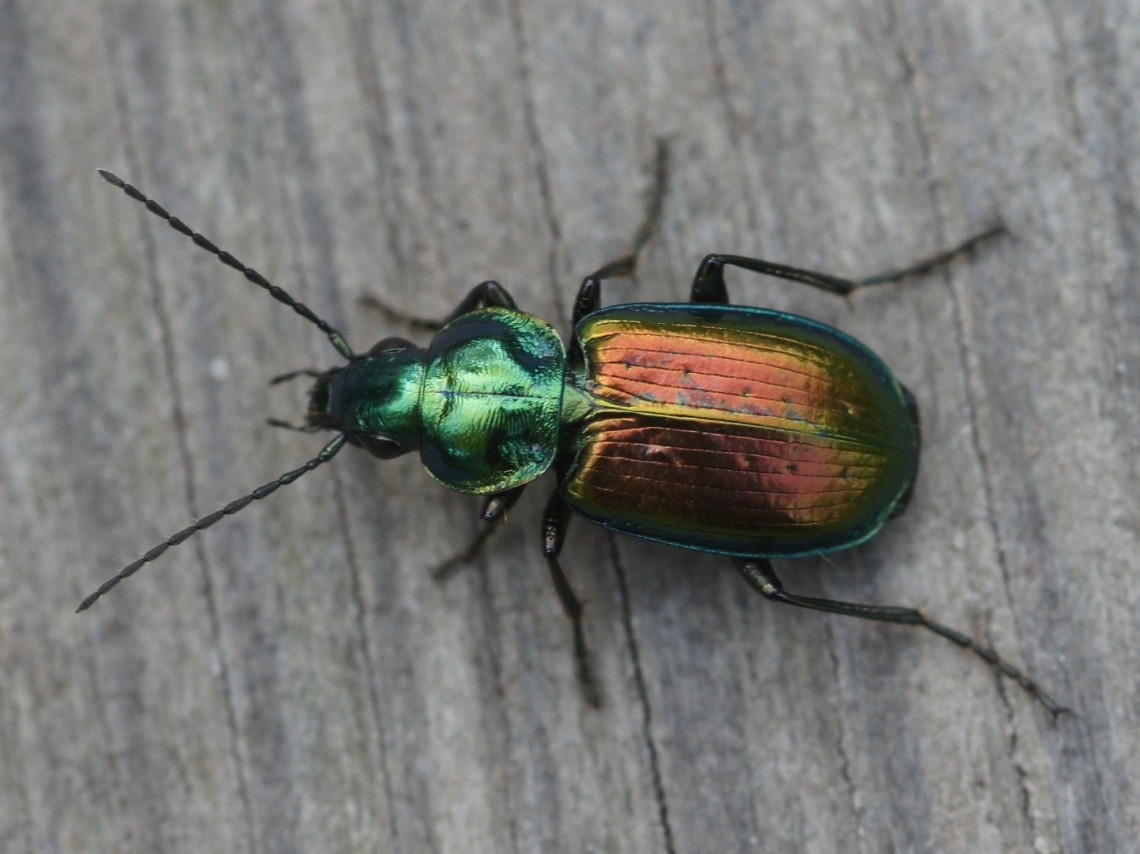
(742, 431)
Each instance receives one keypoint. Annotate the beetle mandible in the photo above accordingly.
(743, 431)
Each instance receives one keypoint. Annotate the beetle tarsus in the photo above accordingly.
(554, 522)
(656, 200)
(493, 514)
(394, 315)
(940, 259)
(591, 691)
(589, 297)
(488, 294)
(456, 562)
(758, 572)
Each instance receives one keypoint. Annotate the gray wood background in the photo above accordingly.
(296, 681)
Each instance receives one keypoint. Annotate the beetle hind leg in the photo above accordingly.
(758, 572)
(709, 286)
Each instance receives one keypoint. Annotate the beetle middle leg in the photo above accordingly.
(554, 523)
(589, 297)
(709, 286)
(758, 572)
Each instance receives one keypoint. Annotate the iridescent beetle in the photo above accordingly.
(735, 430)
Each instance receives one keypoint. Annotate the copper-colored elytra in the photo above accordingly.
(744, 437)
(766, 375)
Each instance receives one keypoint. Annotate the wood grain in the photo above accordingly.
(295, 679)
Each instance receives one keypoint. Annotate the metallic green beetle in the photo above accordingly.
(743, 431)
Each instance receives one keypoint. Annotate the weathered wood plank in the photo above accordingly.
(295, 680)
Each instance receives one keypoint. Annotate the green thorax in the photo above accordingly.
(492, 400)
(482, 404)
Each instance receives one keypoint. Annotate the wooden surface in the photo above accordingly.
(295, 680)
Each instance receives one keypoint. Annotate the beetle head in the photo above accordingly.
(374, 399)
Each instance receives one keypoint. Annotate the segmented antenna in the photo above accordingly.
(335, 338)
(327, 453)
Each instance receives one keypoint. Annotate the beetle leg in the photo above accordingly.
(708, 283)
(483, 295)
(394, 315)
(924, 266)
(589, 297)
(488, 294)
(759, 573)
(554, 522)
(494, 512)
(292, 375)
(656, 200)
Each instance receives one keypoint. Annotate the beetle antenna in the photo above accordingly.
(327, 453)
(335, 338)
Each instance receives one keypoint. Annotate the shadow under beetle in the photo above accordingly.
(743, 431)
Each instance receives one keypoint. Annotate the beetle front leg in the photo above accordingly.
(494, 513)
(554, 522)
(488, 294)
(484, 295)
(759, 573)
